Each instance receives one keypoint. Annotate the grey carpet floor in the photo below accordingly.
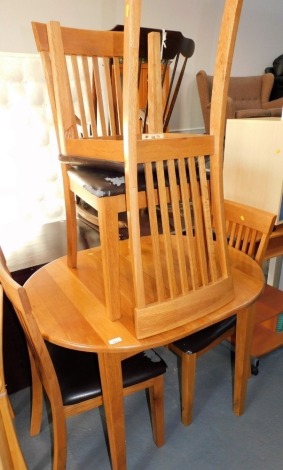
(216, 440)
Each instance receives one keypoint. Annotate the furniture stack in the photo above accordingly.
(109, 306)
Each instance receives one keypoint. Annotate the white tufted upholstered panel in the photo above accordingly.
(30, 178)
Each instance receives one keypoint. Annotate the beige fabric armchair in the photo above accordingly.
(248, 97)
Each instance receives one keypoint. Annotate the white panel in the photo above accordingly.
(30, 184)
(253, 163)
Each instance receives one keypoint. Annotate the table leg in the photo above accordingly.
(112, 389)
(244, 335)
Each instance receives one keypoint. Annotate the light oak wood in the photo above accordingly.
(248, 229)
(193, 272)
(253, 168)
(94, 112)
(11, 456)
(70, 311)
(266, 337)
(275, 245)
(164, 274)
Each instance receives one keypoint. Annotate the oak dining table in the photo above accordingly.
(69, 307)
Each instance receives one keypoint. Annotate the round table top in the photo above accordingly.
(68, 304)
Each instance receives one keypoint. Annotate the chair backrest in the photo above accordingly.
(182, 276)
(94, 75)
(248, 229)
(36, 345)
(87, 75)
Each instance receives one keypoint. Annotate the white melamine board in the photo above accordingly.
(253, 163)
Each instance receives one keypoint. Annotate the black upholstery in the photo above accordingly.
(277, 70)
(107, 181)
(78, 371)
(201, 339)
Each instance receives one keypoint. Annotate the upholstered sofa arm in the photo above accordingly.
(273, 104)
(267, 84)
(252, 113)
(231, 110)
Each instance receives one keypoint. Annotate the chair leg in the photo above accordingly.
(71, 219)
(36, 400)
(11, 456)
(188, 372)
(156, 397)
(59, 437)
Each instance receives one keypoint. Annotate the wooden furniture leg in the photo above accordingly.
(109, 239)
(244, 334)
(11, 456)
(71, 223)
(37, 399)
(112, 391)
(156, 398)
(188, 386)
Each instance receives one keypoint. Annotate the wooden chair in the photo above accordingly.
(189, 268)
(181, 277)
(65, 376)
(85, 92)
(95, 112)
(11, 457)
(248, 230)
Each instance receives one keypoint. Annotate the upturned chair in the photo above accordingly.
(248, 230)
(71, 378)
(11, 456)
(90, 85)
(183, 277)
(188, 268)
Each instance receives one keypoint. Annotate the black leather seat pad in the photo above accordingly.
(201, 339)
(78, 371)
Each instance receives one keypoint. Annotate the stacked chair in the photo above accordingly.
(11, 456)
(158, 286)
(97, 180)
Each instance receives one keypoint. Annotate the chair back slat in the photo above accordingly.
(79, 94)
